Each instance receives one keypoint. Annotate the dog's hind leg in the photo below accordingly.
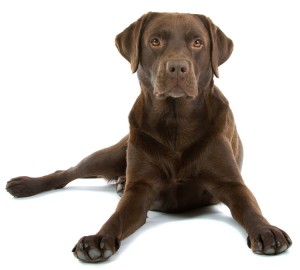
(109, 163)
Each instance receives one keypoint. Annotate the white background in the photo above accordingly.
(65, 92)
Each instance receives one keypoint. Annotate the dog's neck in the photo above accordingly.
(173, 122)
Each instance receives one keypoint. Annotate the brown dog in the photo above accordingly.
(183, 150)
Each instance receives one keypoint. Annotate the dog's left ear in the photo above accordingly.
(221, 45)
(128, 41)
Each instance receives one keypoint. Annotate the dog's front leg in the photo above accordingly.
(225, 182)
(130, 214)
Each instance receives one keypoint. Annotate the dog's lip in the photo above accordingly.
(161, 95)
(173, 94)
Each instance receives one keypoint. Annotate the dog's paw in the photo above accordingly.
(22, 186)
(95, 248)
(268, 240)
(120, 186)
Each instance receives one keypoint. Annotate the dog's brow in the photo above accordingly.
(193, 34)
(162, 33)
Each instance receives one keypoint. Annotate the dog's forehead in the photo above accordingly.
(176, 23)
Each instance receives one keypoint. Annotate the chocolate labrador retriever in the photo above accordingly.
(183, 150)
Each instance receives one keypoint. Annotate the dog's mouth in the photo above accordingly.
(175, 92)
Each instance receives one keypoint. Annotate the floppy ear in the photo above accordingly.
(221, 45)
(128, 41)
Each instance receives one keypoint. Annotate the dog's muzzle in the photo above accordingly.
(175, 79)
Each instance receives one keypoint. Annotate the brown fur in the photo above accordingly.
(183, 150)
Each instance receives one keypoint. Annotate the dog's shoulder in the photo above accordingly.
(219, 96)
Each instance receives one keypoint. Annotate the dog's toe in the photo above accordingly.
(94, 253)
(107, 253)
(82, 256)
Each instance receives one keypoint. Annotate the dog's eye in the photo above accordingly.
(198, 43)
(155, 42)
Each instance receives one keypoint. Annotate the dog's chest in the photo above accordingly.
(178, 134)
(178, 167)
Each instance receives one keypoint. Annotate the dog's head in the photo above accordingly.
(175, 54)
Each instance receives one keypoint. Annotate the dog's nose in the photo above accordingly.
(177, 67)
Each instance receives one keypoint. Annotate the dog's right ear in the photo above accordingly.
(128, 41)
